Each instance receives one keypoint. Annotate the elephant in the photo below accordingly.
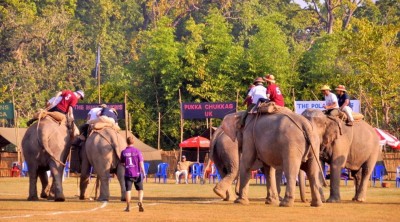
(46, 146)
(281, 141)
(353, 147)
(102, 150)
(225, 154)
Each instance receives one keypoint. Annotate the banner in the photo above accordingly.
(207, 110)
(300, 106)
(6, 111)
(81, 110)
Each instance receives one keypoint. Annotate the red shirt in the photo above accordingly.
(275, 95)
(68, 99)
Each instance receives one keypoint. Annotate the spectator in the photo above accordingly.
(182, 168)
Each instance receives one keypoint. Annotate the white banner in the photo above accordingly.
(300, 106)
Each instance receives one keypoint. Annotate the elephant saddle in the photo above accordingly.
(103, 122)
(56, 116)
(270, 108)
(342, 115)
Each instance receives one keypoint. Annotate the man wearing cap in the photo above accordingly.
(344, 101)
(68, 101)
(273, 92)
(331, 101)
(248, 101)
(257, 93)
(182, 168)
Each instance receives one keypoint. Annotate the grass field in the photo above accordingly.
(192, 202)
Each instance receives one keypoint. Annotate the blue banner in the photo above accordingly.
(81, 110)
(207, 110)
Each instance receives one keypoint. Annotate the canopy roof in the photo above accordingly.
(149, 153)
(11, 135)
(387, 139)
(195, 142)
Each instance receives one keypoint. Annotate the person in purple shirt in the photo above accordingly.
(132, 160)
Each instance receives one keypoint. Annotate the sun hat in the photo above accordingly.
(258, 79)
(80, 92)
(270, 78)
(183, 156)
(341, 88)
(325, 87)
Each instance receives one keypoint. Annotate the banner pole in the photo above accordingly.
(126, 116)
(159, 131)
(180, 108)
(237, 100)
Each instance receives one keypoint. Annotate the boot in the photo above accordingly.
(31, 121)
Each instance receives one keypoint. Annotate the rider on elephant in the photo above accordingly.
(68, 101)
(344, 101)
(257, 94)
(111, 113)
(92, 116)
(273, 92)
(331, 101)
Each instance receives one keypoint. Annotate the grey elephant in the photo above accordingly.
(102, 150)
(46, 146)
(278, 141)
(225, 154)
(355, 148)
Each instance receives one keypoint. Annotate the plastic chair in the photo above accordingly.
(66, 169)
(377, 174)
(24, 171)
(398, 177)
(197, 172)
(214, 174)
(146, 169)
(15, 172)
(162, 171)
(344, 175)
(261, 175)
(326, 168)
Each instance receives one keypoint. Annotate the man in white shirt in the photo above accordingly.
(257, 92)
(94, 113)
(331, 101)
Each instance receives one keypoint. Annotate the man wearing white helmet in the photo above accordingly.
(68, 101)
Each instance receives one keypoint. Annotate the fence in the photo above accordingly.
(392, 161)
(6, 160)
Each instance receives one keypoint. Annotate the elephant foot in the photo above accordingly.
(271, 201)
(44, 195)
(33, 198)
(333, 200)
(220, 193)
(316, 203)
(102, 199)
(60, 198)
(286, 203)
(358, 199)
(304, 200)
(242, 201)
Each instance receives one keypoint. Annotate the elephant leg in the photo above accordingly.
(33, 175)
(223, 187)
(367, 168)
(291, 169)
(272, 193)
(246, 162)
(356, 174)
(121, 179)
(278, 179)
(44, 179)
(84, 178)
(334, 196)
(302, 186)
(57, 171)
(104, 177)
(313, 173)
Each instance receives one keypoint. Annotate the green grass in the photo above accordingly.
(192, 202)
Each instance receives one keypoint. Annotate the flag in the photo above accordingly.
(97, 68)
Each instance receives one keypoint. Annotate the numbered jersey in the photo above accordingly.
(275, 95)
(131, 157)
(68, 99)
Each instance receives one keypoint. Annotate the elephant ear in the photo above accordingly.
(332, 132)
(231, 124)
(214, 140)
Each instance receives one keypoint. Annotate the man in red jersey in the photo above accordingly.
(68, 101)
(273, 91)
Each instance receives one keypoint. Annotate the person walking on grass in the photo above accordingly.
(132, 160)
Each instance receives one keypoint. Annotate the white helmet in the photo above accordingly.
(80, 92)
